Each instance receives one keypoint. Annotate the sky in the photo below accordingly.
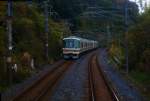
(137, 1)
(148, 1)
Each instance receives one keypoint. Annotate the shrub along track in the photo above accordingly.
(98, 87)
(41, 89)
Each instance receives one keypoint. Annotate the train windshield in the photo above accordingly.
(71, 43)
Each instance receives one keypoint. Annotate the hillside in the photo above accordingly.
(101, 20)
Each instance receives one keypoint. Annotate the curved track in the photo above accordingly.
(41, 89)
(98, 87)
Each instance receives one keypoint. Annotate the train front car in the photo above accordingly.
(71, 47)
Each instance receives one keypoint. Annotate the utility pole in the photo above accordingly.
(126, 40)
(46, 30)
(9, 46)
(108, 35)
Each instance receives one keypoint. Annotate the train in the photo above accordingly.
(74, 46)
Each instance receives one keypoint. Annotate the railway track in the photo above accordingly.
(98, 87)
(41, 89)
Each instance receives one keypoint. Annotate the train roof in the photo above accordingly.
(72, 37)
(77, 38)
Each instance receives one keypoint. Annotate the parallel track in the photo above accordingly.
(99, 88)
(40, 89)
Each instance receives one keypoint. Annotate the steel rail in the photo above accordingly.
(92, 90)
(37, 83)
(114, 93)
(57, 77)
(91, 81)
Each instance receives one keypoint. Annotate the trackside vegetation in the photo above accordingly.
(28, 40)
(138, 37)
(139, 52)
(101, 20)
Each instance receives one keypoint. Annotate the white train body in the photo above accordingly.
(74, 46)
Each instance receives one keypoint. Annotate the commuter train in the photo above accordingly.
(74, 46)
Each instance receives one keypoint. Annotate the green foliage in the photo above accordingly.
(2, 10)
(27, 31)
(66, 8)
(2, 29)
(116, 53)
(141, 79)
(29, 37)
(139, 44)
(29, 34)
(2, 43)
(22, 74)
(57, 31)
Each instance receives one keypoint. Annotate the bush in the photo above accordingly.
(145, 61)
(116, 54)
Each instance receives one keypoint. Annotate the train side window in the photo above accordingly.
(82, 45)
(77, 44)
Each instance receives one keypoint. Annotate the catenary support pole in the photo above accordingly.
(108, 35)
(126, 30)
(9, 46)
(46, 31)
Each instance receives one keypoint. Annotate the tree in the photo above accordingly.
(139, 44)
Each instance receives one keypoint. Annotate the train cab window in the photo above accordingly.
(68, 43)
(71, 43)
